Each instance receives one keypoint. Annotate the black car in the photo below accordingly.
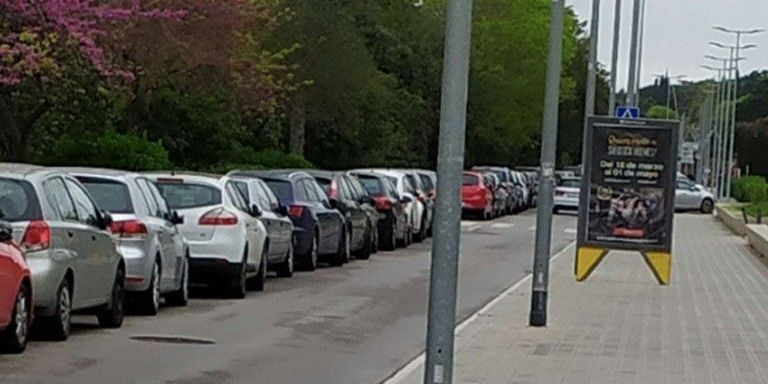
(338, 187)
(393, 223)
(319, 228)
(369, 204)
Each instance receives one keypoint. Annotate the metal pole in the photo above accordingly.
(726, 123)
(668, 80)
(450, 162)
(720, 128)
(538, 316)
(716, 138)
(589, 103)
(735, 65)
(631, 95)
(615, 58)
(638, 79)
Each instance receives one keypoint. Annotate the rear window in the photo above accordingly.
(372, 185)
(571, 183)
(110, 195)
(426, 181)
(469, 180)
(189, 195)
(281, 189)
(18, 201)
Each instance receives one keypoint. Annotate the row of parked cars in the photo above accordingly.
(492, 191)
(98, 241)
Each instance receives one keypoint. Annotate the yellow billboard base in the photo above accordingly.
(588, 258)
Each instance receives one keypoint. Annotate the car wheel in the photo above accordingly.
(374, 231)
(310, 264)
(112, 314)
(285, 269)
(259, 282)
(707, 206)
(14, 338)
(338, 258)
(239, 285)
(57, 327)
(555, 210)
(180, 298)
(365, 253)
(149, 300)
(409, 236)
(422, 234)
(348, 247)
(389, 241)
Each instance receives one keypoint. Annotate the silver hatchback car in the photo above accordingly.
(64, 235)
(145, 231)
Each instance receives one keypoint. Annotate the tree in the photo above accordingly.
(661, 112)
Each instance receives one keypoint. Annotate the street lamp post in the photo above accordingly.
(633, 55)
(716, 139)
(615, 57)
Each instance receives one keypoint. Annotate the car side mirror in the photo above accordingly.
(176, 219)
(281, 209)
(6, 232)
(255, 210)
(105, 220)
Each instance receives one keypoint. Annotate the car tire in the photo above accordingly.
(14, 338)
(310, 262)
(337, 259)
(238, 288)
(555, 210)
(285, 269)
(58, 326)
(707, 206)
(365, 253)
(409, 236)
(389, 242)
(180, 297)
(422, 234)
(348, 253)
(113, 313)
(149, 300)
(259, 282)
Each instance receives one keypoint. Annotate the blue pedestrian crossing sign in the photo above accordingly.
(627, 112)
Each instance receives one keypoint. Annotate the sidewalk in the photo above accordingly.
(709, 326)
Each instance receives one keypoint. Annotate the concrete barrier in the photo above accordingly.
(757, 234)
(733, 220)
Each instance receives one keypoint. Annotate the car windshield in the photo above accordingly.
(189, 195)
(571, 183)
(372, 185)
(469, 180)
(281, 188)
(110, 195)
(18, 201)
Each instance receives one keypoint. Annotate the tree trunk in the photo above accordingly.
(297, 138)
(9, 134)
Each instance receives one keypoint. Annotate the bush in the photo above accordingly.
(109, 150)
(267, 159)
(750, 189)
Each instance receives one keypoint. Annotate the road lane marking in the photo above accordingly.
(570, 231)
(502, 225)
(418, 361)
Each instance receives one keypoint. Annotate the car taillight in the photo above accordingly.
(383, 203)
(37, 236)
(333, 190)
(218, 216)
(295, 211)
(129, 228)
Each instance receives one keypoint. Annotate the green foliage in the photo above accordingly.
(110, 150)
(661, 112)
(752, 189)
(267, 159)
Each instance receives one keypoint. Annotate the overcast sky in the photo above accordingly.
(677, 33)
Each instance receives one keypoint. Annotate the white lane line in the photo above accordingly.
(502, 225)
(419, 360)
(473, 227)
(570, 231)
(532, 228)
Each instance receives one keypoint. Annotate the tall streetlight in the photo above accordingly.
(717, 139)
(615, 57)
(633, 55)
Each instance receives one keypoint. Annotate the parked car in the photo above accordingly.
(74, 263)
(690, 196)
(369, 205)
(320, 233)
(500, 194)
(476, 196)
(393, 225)
(505, 177)
(146, 233)
(15, 294)
(414, 208)
(274, 216)
(567, 194)
(524, 192)
(429, 181)
(422, 195)
(226, 238)
(338, 187)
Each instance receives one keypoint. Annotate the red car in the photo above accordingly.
(476, 197)
(15, 294)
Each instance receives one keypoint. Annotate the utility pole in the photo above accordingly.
(441, 319)
(615, 58)
(538, 315)
(589, 102)
(640, 43)
(633, 56)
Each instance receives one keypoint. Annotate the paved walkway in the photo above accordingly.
(709, 326)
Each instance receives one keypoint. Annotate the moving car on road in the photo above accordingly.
(319, 228)
(690, 196)
(146, 233)
(275, 218)
(74, 263)
(226, 239)
(15, 294)
(338, 187)
(476, 196)
(567, 194)
(393, 224)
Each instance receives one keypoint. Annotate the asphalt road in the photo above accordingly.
(351, 325)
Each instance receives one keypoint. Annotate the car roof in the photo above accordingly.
(187, 176)
(86, 171)
(383, 171)
(272, 173)
(490, 168)
(19, 169)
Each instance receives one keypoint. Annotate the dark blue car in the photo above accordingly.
(319, 233)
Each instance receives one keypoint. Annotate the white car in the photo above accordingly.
(414, 209)
(567, 194)
(690, 196)
(226, 238)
